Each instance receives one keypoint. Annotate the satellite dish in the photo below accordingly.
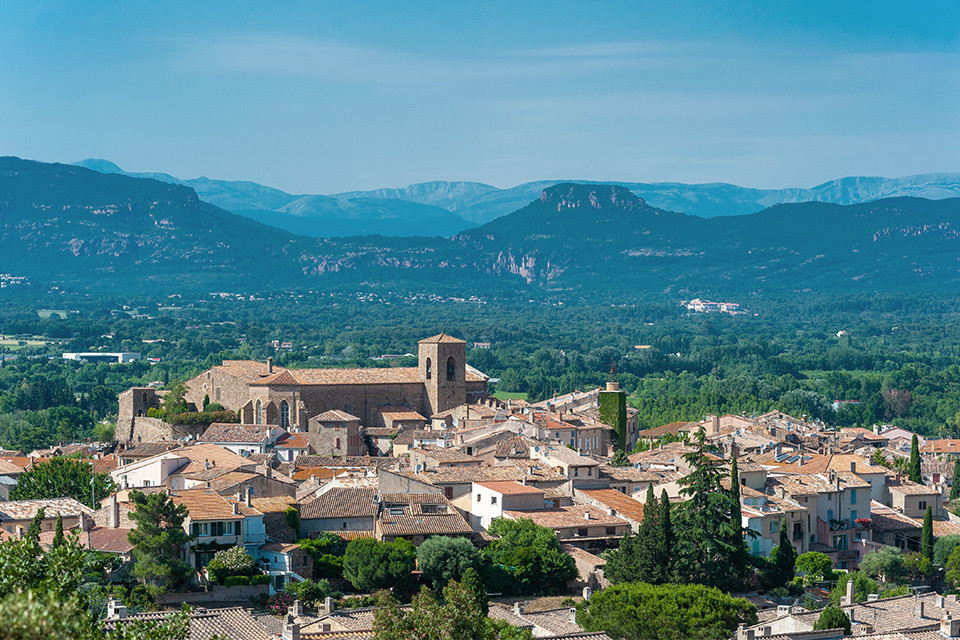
(537, 449)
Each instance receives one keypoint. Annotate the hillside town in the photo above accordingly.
(416, 454)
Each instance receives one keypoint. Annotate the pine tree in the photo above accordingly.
(665, 540)
(914, 468)
(926, 535)
(471, 580)
(58, 536)
(157, 539)
(704, 549)
(955, 485)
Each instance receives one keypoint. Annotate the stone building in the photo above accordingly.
(265, 394)
(335, 433)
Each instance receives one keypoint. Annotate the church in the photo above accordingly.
(267, 394)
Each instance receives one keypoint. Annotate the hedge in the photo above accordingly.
(242, 581)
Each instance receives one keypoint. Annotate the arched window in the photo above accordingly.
(258, 416)
(284, 415)
(451, 368)
(337, 444)
(429, 369)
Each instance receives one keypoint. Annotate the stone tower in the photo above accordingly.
(443, 368)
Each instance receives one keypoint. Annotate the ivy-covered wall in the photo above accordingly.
(613, 413)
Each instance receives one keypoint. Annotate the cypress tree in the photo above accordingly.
(914, 469)
(33, 531)
(665, 540)
(783, 559)
(955, 485)
(648, 563)
(926, 535)
(58, 536)
(471, 580)
(738, 558)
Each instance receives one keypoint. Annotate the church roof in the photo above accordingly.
(441, 338)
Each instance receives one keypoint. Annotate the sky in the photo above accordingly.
(318, 97)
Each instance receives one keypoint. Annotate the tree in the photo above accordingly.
(926, 534)
(442, 559)
(783, 559)
(955, 483)
(740, 553)
(309, 591)
(58, 534)
(878, 460)
(62, 478)
(531, 554)
(234, 561)
(863, 586)
(471, 580)
(705, 548)
(157, 538)
(665, 540)
(833, 618)
(33, 531)
(370, 565)
(816, 565)
(639, 611)
(885, 564)
(459, 617)
(953, 568)
(620, 459)
(914, 468)
(943, 548)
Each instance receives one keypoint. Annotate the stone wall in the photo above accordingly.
(145, 429)
(228, 390)
(216, 595)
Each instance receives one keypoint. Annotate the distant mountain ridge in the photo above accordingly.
(82, 230)
(417, 210)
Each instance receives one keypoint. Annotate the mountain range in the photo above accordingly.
(447, 208)
(82, 230)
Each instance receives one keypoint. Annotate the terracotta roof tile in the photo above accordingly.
(510, 487)
(299, 440)
(423, 524)
(232, 432)
(27, 509)
(335, 415)
(566, 517)
(341, 503)
(620, 503)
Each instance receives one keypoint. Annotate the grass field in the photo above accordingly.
(46, 313)
(14, 343)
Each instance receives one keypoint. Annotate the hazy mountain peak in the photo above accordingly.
(603, 196)
(99, 164)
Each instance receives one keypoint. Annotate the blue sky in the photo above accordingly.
(326, 97)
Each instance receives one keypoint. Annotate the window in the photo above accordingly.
(589, 471)
(493, 499)
(284, 415)
(448, 492)
(429, 369)
(611, 531)
(840, 542)
(774, 526)
(583, 533)
(258, 416)
(451, 491)
(853, 516)
(923, 504)
(451, 368)
(336, 443)
(236, 527)
(829, 515)
(146, 483)
(853, 496)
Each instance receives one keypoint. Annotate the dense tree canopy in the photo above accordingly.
(62, 477)
(370, 565)
(530, 555)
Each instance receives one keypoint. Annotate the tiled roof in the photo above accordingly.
(335, 415)
(413, 498)
(217, 456)
(299, 440)
(338, 635)
(409, 435)
(341, 503)
(567, 517)
(204, 504)
(231, 432)
(908, 488)
(9, 468)
(248, 370)
(230, 479)
(943, 445)
(97, 538)
(672, 428)
(441, 338)
(343, 462)
(382, 431)
(443, 454)
(509, 487)
(273, 504)
(465, 475)
(27, 509)
(232, 622)
(324, 473)
(424, 524)
(148, 449)
(556, 621)
(836, 462)
(620, 503)
(400, 413)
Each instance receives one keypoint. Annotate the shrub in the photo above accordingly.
(237, 581)
(209, 417)
(260, 578)
(310, 591)
(214, 407)
(370, 565)
(833, 618)
(944, 547)
(234, 561)
(280, 602)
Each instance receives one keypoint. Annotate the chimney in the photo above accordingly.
(249, 496)
(941, 602)
(269, 365)
(573, 615)
(873, 597)
(326, 608)
(950, 627)
(918, 607)
(291, 630)
(115, 609)
(853, 466)
(297, 609)
(268, 472)
(586, 515)
(517, 608)
(114, 512)
(85, 522)
(849, 598)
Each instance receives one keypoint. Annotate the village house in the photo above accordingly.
(242, 439)
(492, 498)
(340, 509)
(580, 525)
(418, 516)
(217, 523)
